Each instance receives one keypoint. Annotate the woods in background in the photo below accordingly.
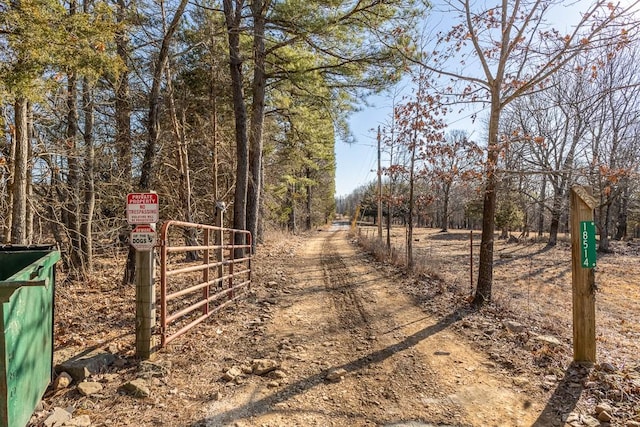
(234, 101)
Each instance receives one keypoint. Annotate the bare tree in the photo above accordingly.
(516, 53)
(612, 132)
(233, 19)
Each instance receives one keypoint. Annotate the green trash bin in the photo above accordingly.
(27, 281)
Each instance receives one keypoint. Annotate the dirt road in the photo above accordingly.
(356, 351)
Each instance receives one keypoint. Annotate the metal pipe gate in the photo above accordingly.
(197, 281)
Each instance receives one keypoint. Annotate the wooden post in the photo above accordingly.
(206, 259)
(220, 208)
(584, 316)
(145, 304)
(471, 261)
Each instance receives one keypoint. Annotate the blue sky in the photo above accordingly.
(356, 163)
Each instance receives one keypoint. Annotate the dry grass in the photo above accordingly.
(533, 283)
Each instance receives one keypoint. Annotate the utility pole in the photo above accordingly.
(379, 191)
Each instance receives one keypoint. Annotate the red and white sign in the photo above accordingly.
(142, 208)
(143, 238)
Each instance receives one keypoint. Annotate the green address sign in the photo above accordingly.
(587, 244)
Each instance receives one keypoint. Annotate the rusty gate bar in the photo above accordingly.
(179, 311)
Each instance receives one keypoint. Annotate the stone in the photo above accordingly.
(589, 421)
(81, 421)
(109, 378)
(603, 406)
(604, 416)
(137, 388)
(57, 418)
(633, 424)
(273, 384)
(278, 374)
(572, 418)
(548, 339)
(63, 380)
(513, 326)
(336, 375)
(246, 369)
(608, 367)
(264, 366)
(89, 364)
(88, 388)
(147, 369)
(521, 381)
(232, 373)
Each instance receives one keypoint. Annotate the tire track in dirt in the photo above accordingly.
(402, 367)
(342, 285)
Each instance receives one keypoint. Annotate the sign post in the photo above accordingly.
(583, 254)
(143, 212)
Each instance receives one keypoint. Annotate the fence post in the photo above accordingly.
(145, 304)
(219, 222)
(232, 260)
(583, 275)
(205, 273)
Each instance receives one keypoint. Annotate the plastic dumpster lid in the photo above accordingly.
(15, 248)
(35, 274)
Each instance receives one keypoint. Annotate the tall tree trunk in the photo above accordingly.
(31, 211)
(485, 268)
(444, 226)
(89, 203)
(123, 101)
(233, 17)
(73, 176)
(7, 154)
(623, 211)
(153, 122)
(213, 101)
(153, 117)
(182, 153)
(543, 196)
(20, 164)
(556, 211)
(291, 190)
(390, 196)
(54, 193)
(605, 224)
(561, 188)
(72, 202)
(411, 201)
(308, 222)
(123, 140)
(258, 11)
